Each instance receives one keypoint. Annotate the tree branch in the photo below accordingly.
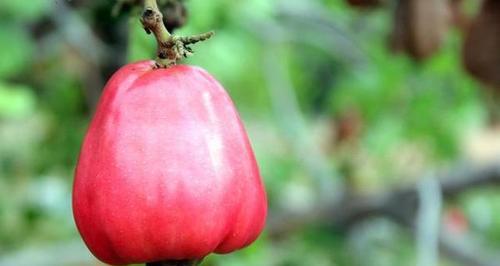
(400, 205)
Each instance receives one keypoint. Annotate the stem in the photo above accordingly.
(175, 263)
(170, 48)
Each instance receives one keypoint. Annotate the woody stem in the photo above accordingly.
(170, 48)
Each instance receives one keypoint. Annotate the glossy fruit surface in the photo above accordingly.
(166, 170)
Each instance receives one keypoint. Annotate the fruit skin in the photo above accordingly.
(166, 170)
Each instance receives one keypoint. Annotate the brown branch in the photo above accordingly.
(400, 205)
(170, 48)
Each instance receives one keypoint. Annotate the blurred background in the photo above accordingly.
(375, 123)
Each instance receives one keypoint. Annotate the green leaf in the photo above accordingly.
(16, 50)
(16, 100)
(22, 10)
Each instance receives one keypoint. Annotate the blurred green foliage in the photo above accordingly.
(415, 117)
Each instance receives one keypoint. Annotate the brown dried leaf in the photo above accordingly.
(420, 27)
(459, 17)
(481, 51)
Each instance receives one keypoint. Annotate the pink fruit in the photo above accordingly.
(166, 170)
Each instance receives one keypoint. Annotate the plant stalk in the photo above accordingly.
(171, 48)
